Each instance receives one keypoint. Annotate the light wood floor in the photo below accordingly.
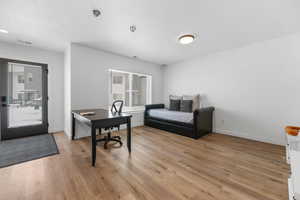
(162, 166)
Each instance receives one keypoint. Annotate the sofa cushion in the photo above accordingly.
(186, 105)
(195, 99)
(184, 117)
(174, 105)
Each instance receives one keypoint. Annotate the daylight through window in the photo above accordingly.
(133, 88)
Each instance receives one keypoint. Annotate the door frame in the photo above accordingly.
(23, 131)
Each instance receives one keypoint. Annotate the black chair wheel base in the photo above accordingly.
(106, 140)
(117, 137)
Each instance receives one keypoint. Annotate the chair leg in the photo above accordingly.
(105, 143)
(117, 137)
(108, 138)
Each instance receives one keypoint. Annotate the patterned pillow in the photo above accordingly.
(186, 105)
(174, 105)
(195, 99)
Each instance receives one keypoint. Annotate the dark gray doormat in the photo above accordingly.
(25, 149)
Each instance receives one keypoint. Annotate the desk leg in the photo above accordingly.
(94, 144)
(129, 134)
(73, 127)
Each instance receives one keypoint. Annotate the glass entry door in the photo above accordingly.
(23, 87)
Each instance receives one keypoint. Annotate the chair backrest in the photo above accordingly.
(117, 106)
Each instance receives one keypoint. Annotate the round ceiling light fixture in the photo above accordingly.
(186, 39)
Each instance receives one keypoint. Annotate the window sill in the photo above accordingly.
(134, 110)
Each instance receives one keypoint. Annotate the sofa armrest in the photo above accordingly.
(203, 120)
(152, 106)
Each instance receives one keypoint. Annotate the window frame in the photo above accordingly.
(21, 78)
(29, 77)
(148, 90)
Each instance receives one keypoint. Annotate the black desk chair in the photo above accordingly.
(116, 108)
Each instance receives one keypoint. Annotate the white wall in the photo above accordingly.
(255, 89)
(55, 78)
(90, 83)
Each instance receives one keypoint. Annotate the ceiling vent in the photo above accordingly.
(96, 13)
(24, 42)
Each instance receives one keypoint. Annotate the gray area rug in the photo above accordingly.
(25, 149)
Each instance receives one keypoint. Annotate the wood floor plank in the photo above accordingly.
(162, 165)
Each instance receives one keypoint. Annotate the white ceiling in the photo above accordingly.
(219, 24)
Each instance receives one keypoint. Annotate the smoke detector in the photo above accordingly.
(96, 13)
(132, 28)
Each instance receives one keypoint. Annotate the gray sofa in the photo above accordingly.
(195, 124)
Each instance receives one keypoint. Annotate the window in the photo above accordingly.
(118, 79)
(29, 77)
(20, 96)
(21, 78)
(133, 88)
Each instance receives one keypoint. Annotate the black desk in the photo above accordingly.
(101, 119)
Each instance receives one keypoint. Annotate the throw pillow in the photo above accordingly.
(186, 105)
(195, 99)
(174, 105)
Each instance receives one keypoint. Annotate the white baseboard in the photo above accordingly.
(56, 131)
(247, 136)
(290, 188)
